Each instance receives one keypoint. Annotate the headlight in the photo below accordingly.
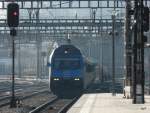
(76, 79)
(56, 79)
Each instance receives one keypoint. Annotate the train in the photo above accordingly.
(69, 70)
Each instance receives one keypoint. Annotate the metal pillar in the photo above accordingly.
(38, 43)
(102, 74)
(101, 34)
(113, 55)
(113, 51)
(89, 49)
(138, 72)
(149, 76)
(19, 60)
(100, 53)
(13, 100)
(128, 53)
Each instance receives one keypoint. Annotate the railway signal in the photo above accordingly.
(13, 15)
(145, 19)
(13, 21)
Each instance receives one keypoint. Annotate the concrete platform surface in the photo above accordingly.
(106, 103)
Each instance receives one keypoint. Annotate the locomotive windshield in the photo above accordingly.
(66, 64)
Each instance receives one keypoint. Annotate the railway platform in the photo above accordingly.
(106, 103)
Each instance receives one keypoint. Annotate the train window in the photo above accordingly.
(66, 64)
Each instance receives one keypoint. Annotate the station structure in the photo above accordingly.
(40, 23)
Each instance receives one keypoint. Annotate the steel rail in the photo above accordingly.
(41, 107)
(22, 98)
(68, 105)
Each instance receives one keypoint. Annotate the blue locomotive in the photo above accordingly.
(68, 69)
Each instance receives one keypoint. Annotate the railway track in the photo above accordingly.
(20, 91)
(8, 85)
(5, 91)
(32, 99)
(55, 105)
(20, 83)
(6, 100)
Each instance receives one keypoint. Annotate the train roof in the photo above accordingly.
(67, 49)
(64, 50)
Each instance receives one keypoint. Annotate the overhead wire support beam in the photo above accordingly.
(63, 4)
(64, 22)
(59, 31)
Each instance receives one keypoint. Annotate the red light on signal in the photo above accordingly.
(15, 13)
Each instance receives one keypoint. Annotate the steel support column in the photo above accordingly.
(128, 53)
(38, 43)
(113, 51)
(138, 72)
(19, 60)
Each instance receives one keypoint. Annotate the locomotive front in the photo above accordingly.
(67, 69)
